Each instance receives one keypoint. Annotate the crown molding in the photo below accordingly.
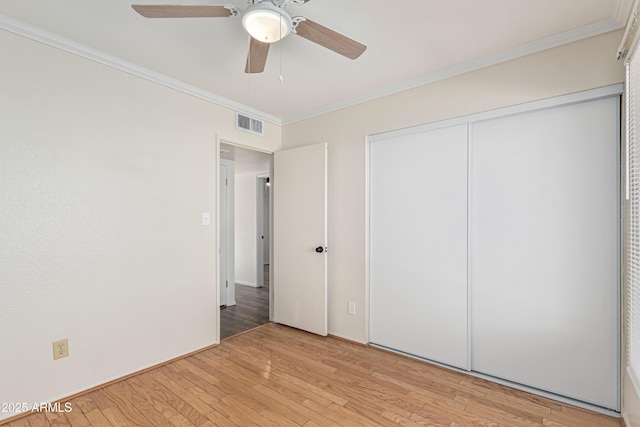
(577, 34)
(62, 43)
(67, 45)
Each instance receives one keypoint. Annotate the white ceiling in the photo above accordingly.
(410, 42)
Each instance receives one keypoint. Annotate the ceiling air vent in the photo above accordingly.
(249, 124)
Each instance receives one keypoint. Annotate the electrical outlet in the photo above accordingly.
(60, 349)
(351, 308)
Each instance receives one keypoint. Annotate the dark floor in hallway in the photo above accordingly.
(251, 309)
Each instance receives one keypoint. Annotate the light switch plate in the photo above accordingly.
(351, 308)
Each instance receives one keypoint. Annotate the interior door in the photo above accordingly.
(299, 193)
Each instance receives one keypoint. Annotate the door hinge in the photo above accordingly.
(226, 181)
(227, 284)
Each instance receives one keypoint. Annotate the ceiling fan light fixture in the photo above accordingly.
(266, 22)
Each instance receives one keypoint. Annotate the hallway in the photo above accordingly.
(251, 309)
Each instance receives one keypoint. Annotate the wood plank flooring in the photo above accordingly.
(251, 309)
(279, 376)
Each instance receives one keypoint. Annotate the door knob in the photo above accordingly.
(319, 249)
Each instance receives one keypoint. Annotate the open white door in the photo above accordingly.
(300, 238)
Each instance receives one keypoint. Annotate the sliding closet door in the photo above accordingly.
(418, 282)
(544, 250)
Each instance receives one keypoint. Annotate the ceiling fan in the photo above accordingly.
(267, 22)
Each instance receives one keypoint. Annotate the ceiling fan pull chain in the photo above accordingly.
(280, 52)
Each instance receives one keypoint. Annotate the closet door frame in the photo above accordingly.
(588, 95)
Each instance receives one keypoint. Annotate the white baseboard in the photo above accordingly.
(630, 402)
(348, 338)
(243, 283)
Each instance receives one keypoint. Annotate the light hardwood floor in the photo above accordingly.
(278, 376)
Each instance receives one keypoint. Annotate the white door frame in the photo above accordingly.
(260, 229)
(220, 141)
(229, 232)
(222, 234)
(271, 226)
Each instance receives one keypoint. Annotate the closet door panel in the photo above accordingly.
(544, 250)
(418, 275)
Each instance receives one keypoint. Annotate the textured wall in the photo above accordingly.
(103, 179)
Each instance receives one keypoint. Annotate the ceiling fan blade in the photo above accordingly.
(257, 57)
(169, 11)
(328, 38)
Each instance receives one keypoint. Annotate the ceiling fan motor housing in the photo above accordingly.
(266, 22)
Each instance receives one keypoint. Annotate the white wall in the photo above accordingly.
(249, 165)
(578, 66)
(103, 178)
(246, 229)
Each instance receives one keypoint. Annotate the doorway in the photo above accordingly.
(250, 235)
(263, 234)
